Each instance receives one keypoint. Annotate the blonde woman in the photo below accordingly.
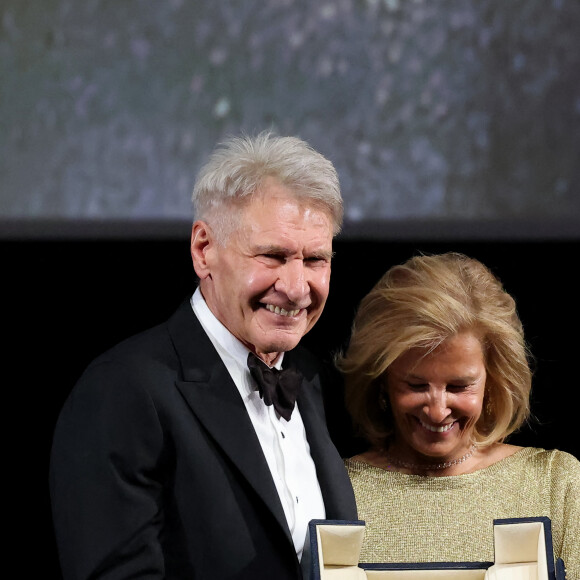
(437, 377)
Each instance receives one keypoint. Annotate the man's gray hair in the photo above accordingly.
(238, 166)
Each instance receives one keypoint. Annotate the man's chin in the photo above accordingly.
(281, 347)
(279, 344)
(277, 340)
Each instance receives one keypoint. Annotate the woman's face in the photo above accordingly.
(437, 398)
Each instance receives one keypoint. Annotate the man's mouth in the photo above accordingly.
(437, 428)
(282, 311)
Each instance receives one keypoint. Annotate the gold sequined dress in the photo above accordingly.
(413, 518)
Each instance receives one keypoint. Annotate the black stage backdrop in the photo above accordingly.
(70, 300)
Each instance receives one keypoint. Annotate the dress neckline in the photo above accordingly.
(489, 469)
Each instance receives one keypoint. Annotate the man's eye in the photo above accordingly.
(273, 257)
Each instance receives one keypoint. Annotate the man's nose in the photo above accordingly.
(292, 281)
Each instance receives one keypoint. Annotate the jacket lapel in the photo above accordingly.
(339, 500)
(214, 399)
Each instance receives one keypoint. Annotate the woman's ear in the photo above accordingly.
(201, 241)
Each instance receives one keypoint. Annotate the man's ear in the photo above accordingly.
(201, 241)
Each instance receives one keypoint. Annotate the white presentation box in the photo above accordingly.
(523, 551)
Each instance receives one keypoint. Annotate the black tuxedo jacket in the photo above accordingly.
(156, 470)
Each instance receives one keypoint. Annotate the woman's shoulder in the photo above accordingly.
(368, 463)
(553, 461)
(356, 463)
(364, 467)
(565, 461)
(553, 456)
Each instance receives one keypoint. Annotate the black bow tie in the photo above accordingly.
(278, 388)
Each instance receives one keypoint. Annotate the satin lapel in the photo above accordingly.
(332, 477)
(214, 399)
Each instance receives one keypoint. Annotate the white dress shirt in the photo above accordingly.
(283, 442)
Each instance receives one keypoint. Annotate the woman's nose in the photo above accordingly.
(436, 408)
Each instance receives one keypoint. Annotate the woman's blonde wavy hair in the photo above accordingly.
(420, 304)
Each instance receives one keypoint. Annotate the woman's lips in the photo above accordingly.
(437, 428)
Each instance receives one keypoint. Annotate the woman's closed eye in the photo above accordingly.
(418, 386)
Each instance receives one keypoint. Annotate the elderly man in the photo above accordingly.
(198, 448)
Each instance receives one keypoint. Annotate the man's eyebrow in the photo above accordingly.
(272, 249)
(323, 254)
(283, 251)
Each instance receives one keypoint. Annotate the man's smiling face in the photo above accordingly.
(269, 283)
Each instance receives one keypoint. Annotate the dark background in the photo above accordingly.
(70, 300)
